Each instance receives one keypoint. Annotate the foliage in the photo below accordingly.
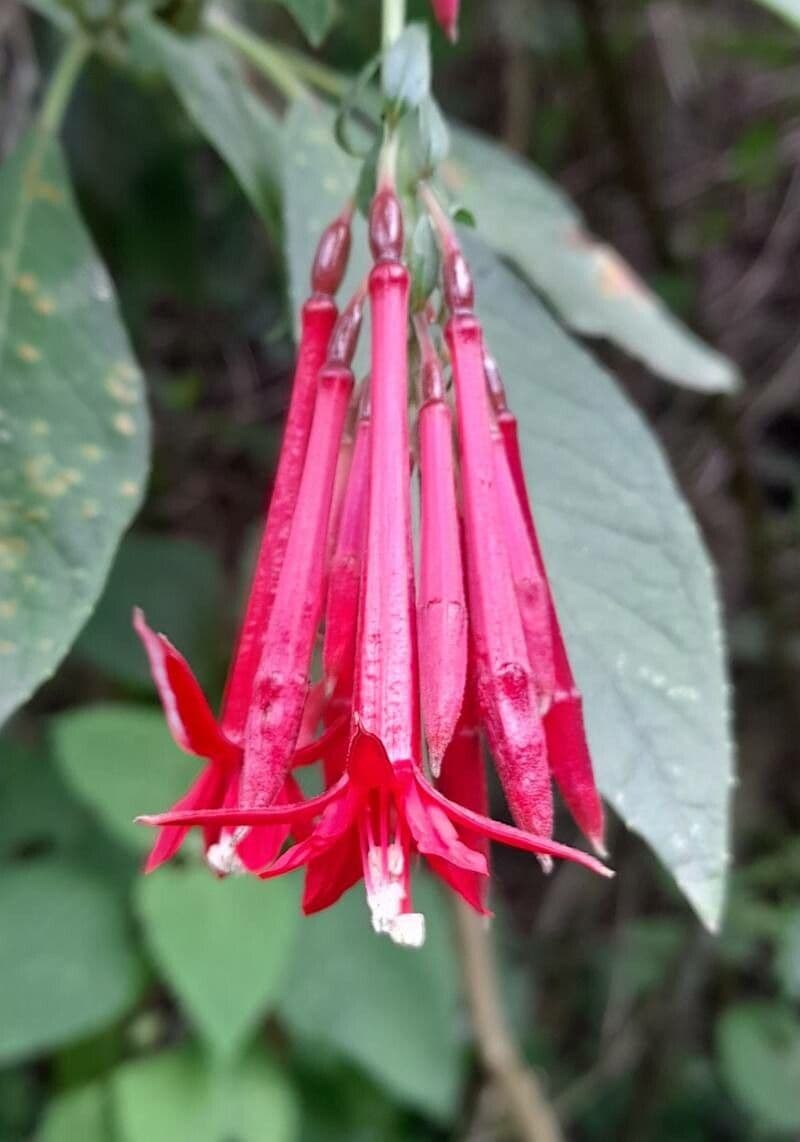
(177, 1006)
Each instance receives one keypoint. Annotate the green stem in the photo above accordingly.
(62, 83)
(267, 60)
(393, 21)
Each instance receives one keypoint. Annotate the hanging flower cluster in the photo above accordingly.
(473, 650)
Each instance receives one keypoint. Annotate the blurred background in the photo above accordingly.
(676, 129)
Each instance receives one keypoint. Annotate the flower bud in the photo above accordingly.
(333, 253)
(459, 292)
(386, 226)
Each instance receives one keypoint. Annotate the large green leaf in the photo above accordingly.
(35, 807)
(789, 9)
(633, 582)
(526, 218)
(73, 422)
(121, 761)
(177, 1097)
(222, 945)
(85, 1113)
(759, 1053)
(315, 17)
(67, 966)
(178, 585)
(392, 1010)
(211, 85)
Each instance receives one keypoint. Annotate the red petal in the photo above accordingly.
(273, 815)
(368, 765)
(330, 875)
(334, 736)
(433, 831)
(189, 717)
(507, 834)
(207, 792)
(469, 885)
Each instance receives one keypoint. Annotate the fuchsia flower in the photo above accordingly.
(378, 810)
(446, 13)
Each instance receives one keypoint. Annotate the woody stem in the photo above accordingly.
(532, 1115)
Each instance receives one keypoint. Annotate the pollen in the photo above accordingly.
(28, 353)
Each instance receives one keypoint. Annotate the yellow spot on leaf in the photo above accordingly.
(30, 582)
(120, 391)
(8, 608)
(44, 305)
(40, 428)
(129, 488)
(48, 193)
(92, 452)
(37, 515)
(12, 550)
(26, 283)
(90, 509)
(7, 647)
(44, 645)
(124, 424)
(28, 353)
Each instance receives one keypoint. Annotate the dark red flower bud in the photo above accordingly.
(344, 339)
(333, 253)
(386, 226)
(459, 293)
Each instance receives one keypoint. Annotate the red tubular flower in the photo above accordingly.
(281, 682)
(382, 811)
(567, 747)
(441, 606)
(505, 682)
(196, 731)
(341, 615)
(446, 13)
(318, 318)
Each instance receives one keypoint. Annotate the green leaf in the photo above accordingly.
(84, 1114)
(759, 1053)
(178, 585)
(35, 807)
(223, 946)
(526, 218)
(121, 761)
(73, 421)
(315, 17)
(177, 1097)
(67, 967)
(788, 955)
(56, 11)
(788, 9)
(209, 82)
(406, 71)
(633, 583)
(392, 1010)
